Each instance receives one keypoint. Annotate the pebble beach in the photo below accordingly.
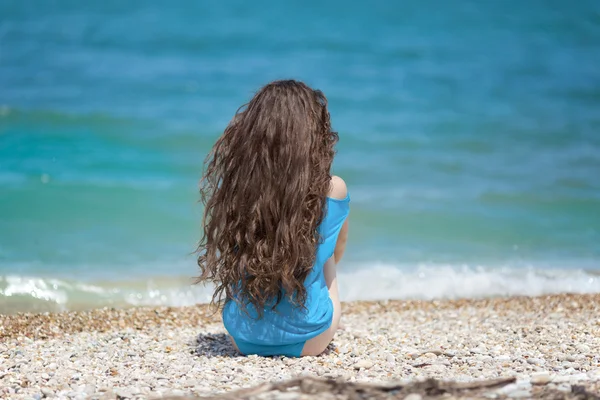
(546, 343)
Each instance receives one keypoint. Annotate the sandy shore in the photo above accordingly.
(547, 343)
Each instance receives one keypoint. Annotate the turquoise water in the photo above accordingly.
(469, 139)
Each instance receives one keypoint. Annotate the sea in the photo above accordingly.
(469, 140)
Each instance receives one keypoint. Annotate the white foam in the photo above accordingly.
(428, 282)
(176, 296)
(357, 282)
(37, 288)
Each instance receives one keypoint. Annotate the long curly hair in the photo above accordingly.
(264, 192)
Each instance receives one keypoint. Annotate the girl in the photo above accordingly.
(275, 223)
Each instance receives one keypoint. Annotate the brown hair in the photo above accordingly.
(264, 191)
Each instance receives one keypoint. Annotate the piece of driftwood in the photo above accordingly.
(352, 390)
(356, 390)
(312, 387)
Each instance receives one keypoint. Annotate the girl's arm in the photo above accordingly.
(339, 191)
(340, 246)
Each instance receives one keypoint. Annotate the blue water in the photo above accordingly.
(469, 139)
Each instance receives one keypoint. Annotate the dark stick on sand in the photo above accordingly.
(311, 387)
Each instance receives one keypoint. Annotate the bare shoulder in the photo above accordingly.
(338, 189)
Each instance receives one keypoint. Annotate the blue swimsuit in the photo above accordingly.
(285, 330)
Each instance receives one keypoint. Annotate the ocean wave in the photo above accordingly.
(428, 282)
(366, 282)
(37, 294)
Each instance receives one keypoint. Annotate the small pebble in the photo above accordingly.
(583, 348)
(541, 378)
(363, 364)
(535, 361)
(477, 350)
(520, 394)
(427, 356)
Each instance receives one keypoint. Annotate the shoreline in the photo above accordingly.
(549, 342)
(358, 281)
(44, 325)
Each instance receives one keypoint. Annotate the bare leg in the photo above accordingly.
(330, 272)
(317, 345)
